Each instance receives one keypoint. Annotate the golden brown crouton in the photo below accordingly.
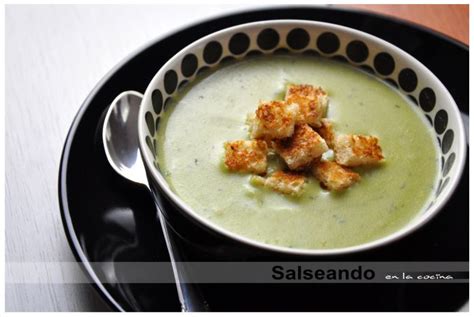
(246, 156)
(312, 101)
(355, 150)
(274, 120)
(302, 148)
(326, 131)
(283, 182)
(333, 176)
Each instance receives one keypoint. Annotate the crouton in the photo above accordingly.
(283, 182)
(302, 148)
(333, 176)
(273, 120)
(246, 156)
(355, 150)
(312, 102)
(326, 131)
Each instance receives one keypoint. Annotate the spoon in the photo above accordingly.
(120, 140)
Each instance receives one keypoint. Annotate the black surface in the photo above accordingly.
(106, 219)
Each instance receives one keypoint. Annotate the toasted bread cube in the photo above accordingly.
(312, 101)
(246, 156)
(283, 182)
(326, 131)
(302, 148)
(355, 150)
(274, 120)
(333, 176)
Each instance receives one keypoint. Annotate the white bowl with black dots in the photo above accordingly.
(353, 47)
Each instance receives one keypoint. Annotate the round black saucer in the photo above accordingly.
(107, 220)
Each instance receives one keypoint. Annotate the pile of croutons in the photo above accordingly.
(296, 129)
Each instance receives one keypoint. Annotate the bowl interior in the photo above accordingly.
(355, 48)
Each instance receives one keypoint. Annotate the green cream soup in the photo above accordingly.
(213, 110)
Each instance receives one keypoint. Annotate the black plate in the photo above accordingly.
(106, 219)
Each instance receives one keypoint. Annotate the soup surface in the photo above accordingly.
(213, 110)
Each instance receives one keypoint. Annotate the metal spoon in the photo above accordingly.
(120, 140)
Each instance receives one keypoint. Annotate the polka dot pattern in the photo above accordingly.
(442, 186)
(149, 143)
(427, 99)
(203, 70)
(311, 52)
(447, 141)
(407, 79)
(271, 41)
(239, 43)
(441, 121)
(391, 82)
(227, 60)
(384, 63)
(150, 122)
(340, 58)
(170, 81)
(254, 53)
(357, 51)
(268, 39)
(328, 43)
(212, 52)
(182, 84)
(281, 51)
(157, 100)
(297, 39)
(413, 99)
(449, 164)
(189, 65)
(367, 69)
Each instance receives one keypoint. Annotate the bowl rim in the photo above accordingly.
(400, 233)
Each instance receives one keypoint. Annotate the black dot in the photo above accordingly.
(171, 81)
(182, 84)
(447, 141)
(367, 69)
(442, 186)
(407, 79)
(281, 51)
(339, 58)
(429, 119)
(328, 43)
(157, 124)
(413, 99)
(227, 60)
(239, 43)
(202, 70)
(449, 164)
(384, 63)
(157, 100)
(391, 82)
(357, 51)
(297, 39)
(311, 53)
(150, 145)
(150, 122)
(427, 99)
(254, 53)
(442, 162)
(189, 65)
(212, 52)
(268, 39)
(441, 121)
(168, 102)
